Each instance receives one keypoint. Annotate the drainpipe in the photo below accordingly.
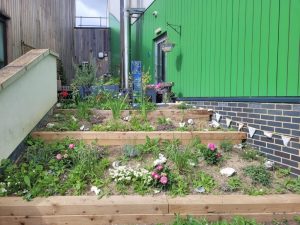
(125, 23)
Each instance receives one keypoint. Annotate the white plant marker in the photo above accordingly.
(228, 122)
(268, 134)
(241, 125)
(218, 117)
(252, 131)
(285, 140)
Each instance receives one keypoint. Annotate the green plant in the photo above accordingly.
(131, 151)
(163, 121)
(211, 154)
(293, 184)
(204, 180)
(116, 105)
(138, 123)
(256, 191)
(151, 146)
(258, 174)
(251, 154)
(234, 183)
(179, 185)
(111, 125)
(83, 111)
(85, 74)
(226, 145)
(297, 219)
(283, 172)
(183, 106)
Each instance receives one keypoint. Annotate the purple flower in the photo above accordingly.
(159, 167)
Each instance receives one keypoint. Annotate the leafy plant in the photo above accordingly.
(293, 185)
(139, 124)
(179, 185)
(283, 172)
(250, 154)
(151, 146)
(256, 191)
(183, 106)
(131, 151)
(226, 145)
(85, 74)
(211, 154)
(163, 121)
(204, 180)
(111, 125)
(258, 174)
(116, 105)
(234, 183)
(83, 111)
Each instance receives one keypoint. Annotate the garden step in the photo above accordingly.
(144, 209)
(139, 137)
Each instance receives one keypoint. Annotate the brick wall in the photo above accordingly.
(283, 119)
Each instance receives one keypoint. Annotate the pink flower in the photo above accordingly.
(211, 146)
(159, 167)
(58, 156)
(219, 155)
(153, 174)
(71, 146)
(163, 180)
(156, 176)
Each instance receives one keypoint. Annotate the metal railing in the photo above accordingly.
(86, 21)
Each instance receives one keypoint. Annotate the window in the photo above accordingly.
(3, 60)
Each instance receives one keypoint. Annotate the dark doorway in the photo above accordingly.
(160, 59)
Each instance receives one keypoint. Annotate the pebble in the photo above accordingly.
(228, 171)
(50, 125)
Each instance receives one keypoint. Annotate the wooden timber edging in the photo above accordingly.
(78, 210)
(173, 114)
(139, 137)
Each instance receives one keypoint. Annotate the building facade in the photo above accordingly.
(238, 57)
(25, 25)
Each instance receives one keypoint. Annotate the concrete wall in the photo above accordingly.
(28, 91)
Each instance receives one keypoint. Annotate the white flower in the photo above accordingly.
(96, 190)
(73, 118)
(182, 124)
(161, 160)
(190, 121)
(168, 120)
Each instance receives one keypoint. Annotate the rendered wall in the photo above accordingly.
(233, 48)
(28, 91)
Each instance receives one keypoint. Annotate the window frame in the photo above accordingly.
(3, 19)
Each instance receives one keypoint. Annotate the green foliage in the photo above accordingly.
(226, 145)
(235, 221)
(183, 106)
(293, 184)
(253, 191)
(163, 121)
(178, 185)
(203, 179)
(111, 125)
(85, 74)
(116, 105)
(251, 154)
(131, 151)
(258, 174)
(138, 123)
(211, 155)
(297, 219)
(151, 146)
(282, 172)
(234, 183)
(83, 111)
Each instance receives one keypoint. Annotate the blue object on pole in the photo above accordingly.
(136, 70)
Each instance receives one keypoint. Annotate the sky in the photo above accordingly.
(91, 8)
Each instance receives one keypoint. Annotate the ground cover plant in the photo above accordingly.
(70, 167)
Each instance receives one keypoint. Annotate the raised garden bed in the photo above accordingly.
(131, 137)
(78, 210)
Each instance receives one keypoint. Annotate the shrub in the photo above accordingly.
(234, 183)
(204, 180)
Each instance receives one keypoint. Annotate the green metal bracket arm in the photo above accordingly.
(176, 28)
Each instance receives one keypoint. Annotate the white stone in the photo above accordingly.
(190, 121)
(50, 125)
(238, 146)
(127, 118)
(200, 190)
(82, 128)
(228, 171)
(156, 191)
(269, 164)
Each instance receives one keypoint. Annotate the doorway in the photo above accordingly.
(160, 59)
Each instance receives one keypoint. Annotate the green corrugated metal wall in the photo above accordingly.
(228, 48)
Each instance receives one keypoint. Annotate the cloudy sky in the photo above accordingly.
(91, 8)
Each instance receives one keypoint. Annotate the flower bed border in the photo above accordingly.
(139, 137)
(87, 210)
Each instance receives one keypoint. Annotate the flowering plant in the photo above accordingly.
(160, 176)
(211, 154)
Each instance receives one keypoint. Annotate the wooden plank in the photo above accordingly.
(237, 204)
(84, 205)
(131, 137)
(133, 219)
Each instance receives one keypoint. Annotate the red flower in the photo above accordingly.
(64, 94)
